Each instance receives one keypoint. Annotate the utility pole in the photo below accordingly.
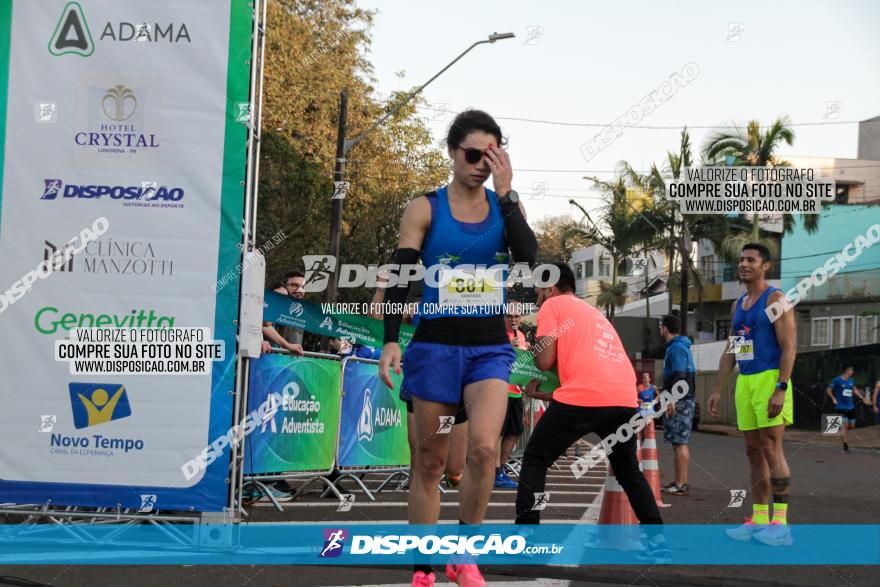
(336, 210)
(685, 262)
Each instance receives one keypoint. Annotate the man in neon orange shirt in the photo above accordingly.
(595, 395)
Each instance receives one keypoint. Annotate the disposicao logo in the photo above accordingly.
(333, 542)
(97, 403)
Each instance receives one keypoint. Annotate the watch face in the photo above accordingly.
(513, 196)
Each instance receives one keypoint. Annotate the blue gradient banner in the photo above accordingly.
(377, 544)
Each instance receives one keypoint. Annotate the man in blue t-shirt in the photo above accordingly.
(678, 365)
(841, 391)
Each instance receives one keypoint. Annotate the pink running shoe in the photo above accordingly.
(420, 579)
(465, 575)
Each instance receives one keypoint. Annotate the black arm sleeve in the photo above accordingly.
(520, 238)
(396, 296)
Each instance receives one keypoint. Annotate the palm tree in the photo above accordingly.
(617, 229)
(675, 232)
(752, 148)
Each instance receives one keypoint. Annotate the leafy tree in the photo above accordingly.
(315, 49)
(549, 232)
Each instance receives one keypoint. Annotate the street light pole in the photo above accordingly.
(336, 210)
(344, 145)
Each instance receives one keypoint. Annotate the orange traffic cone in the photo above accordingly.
(618, 525)
(649, 464)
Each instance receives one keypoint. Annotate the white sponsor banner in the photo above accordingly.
(134, 133)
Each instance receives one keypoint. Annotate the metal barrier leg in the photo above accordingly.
(357, 480)
(402, 475)
(323, 480)
(267, 493)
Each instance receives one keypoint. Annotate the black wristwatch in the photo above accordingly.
(510, 197)
(782, 385)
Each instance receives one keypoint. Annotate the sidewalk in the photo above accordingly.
(867, 437)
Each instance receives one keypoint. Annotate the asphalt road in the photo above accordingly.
(829, 487)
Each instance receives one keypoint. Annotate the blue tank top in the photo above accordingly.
(452, 243)
(754, 325)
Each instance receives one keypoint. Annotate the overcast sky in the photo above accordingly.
(589, 62)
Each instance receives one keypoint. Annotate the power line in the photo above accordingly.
(870, 166)
(644, 126)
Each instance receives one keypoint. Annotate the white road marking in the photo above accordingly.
(335, 503)
(535, 583)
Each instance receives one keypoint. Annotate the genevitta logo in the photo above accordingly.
(51, 319)
(147, 191)
(72, 34)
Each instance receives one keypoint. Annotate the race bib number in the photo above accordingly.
(743, 348)
(847, 392)
(470, 289)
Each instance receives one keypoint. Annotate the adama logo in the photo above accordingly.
(72, 33)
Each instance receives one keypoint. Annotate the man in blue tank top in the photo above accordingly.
(841, 391)
(460, 352)
(765, 352)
